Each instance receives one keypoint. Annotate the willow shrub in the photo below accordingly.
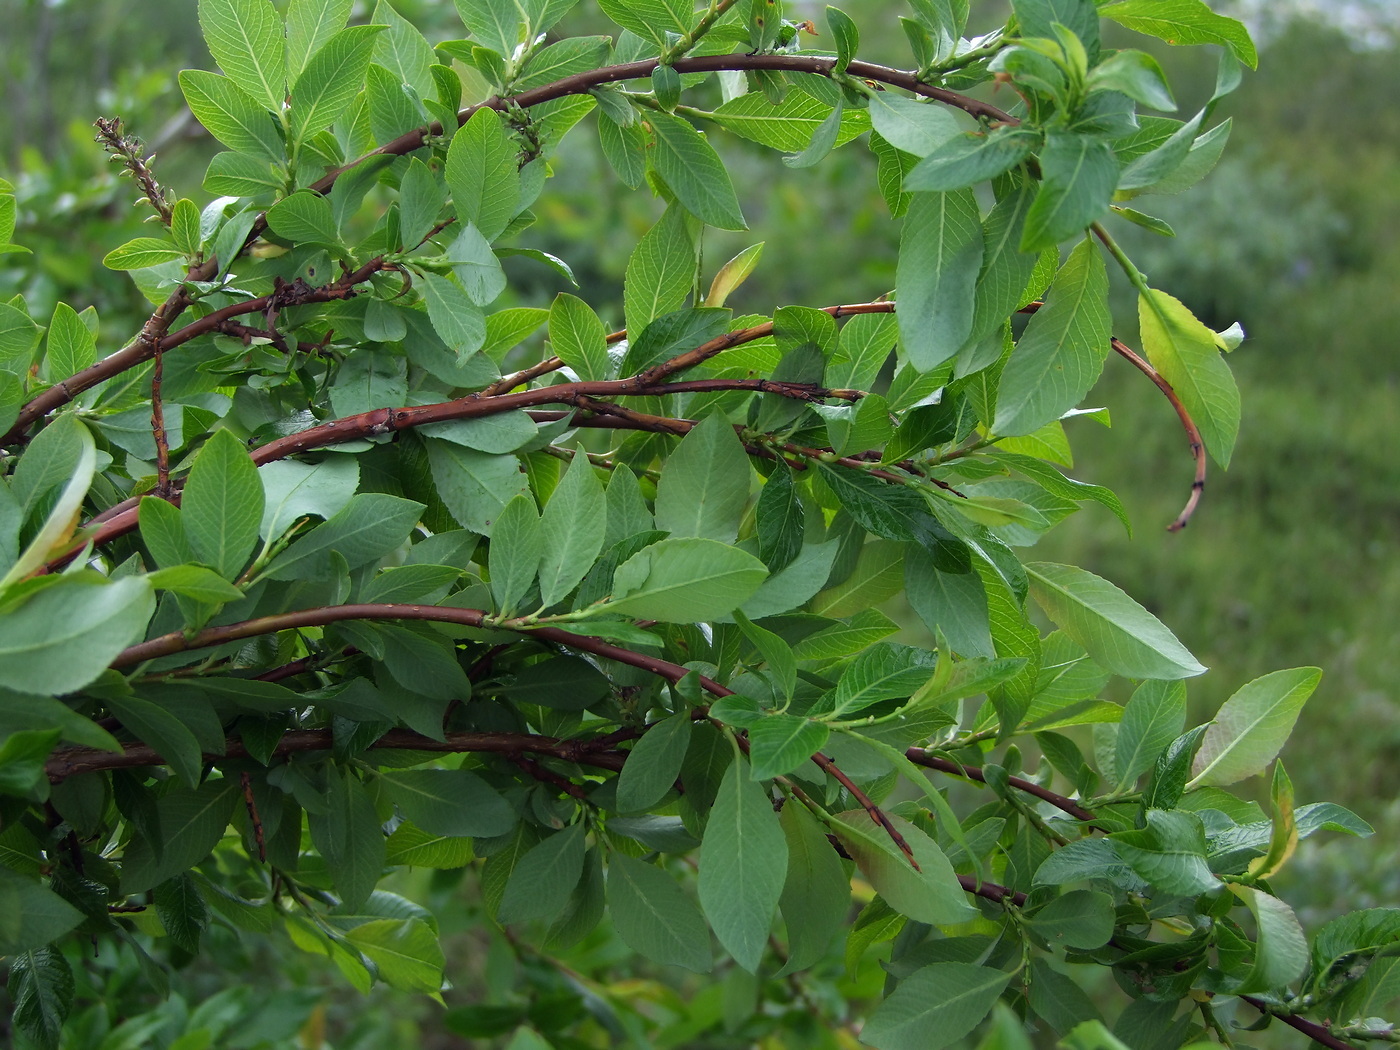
(333, 570)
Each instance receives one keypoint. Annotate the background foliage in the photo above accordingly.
(1299, 535)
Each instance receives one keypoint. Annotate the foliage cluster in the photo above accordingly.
(333, 571)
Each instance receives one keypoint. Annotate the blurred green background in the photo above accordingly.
(1291, 559)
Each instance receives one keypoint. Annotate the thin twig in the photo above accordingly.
(121, 518)
(920, 757)
(158, 434)
(72, 761)
(1316, 1032)
(127, 149)
(1193, 434)
(251, 804)
(139, 351)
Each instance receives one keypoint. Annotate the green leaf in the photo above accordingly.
(780, 743)
(1152, 719)
(895, 512)
(189, 823)
(652, 19)
(245, 38)
(1184, 22)
(1119, 633)
(32, 914)
(571, 530)
(660, 271)
(451, 802)
(64, 636)
(780, 520)
(789, 125)
(22, 757)
(863, 348)
(705, 484)
(1137, 75)
(222, 505)
(940, 253)
(654, 917)
(292, 489)
(516, 546)
(743, 864)
(654, 764)
(184, 230)
(421, 197)
(846, 35)
(19, 335)
(458, 321)
(1170, 853)
(685, 581)
(1251, 727)
(578, 338)
(482, 174)
(476, 266)
(1038, 18)
(934, 1007)
(304, 217)
(913, 127)
(182, 911)
(931, 893)
(732, 274)
(310, 23)
(403, 50)
(369, 526)
(1079, 174)
(474, 486)
(333, 76)
(1057, 484)
(496, 24)
(625, 147)
(842, 639)
(41, 988)
(1081, 919)
(159, 728)
(885, 671)
(541, 882)
(564, 58)
(971, 157)
(349, 837)
(1281, 949)
(673, 334)
(240, 175)
(232, 116)
(413, 846)
(1184, 350)
(405, 952)
(1062, 351)
(694, 171)
(140, 252)
(816, 893)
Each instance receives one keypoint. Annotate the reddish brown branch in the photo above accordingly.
(154, 335)
(581, 83)
(162, 441)
(1193, 434)
(545, 776)
(991, 891)
(178, 641)
(140, 350)
(1318, 1033)
(920, 757)
(251, 804)
(121, 518)
(73, 761)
